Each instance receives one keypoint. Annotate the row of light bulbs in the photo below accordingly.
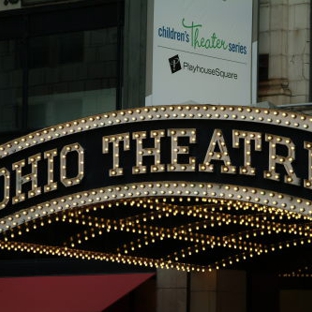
(261, 220)
(210, 112)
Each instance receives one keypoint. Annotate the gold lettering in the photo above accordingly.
(51, 184)
(72, 148)
(177, 150)
(115, 140)
(6, 187)
(308, 182)
(247, 136)
(217, 140)
(285, 161)
(154, 151)
(31, 177)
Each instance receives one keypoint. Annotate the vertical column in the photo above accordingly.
(231, 291)
(203, 296)
(263, 292)
(134, 53)
(171, 291)
(216, 291)
(298, 300)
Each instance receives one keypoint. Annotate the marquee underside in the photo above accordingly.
(186, 226)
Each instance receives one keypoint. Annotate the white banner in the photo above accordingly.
(202, 52)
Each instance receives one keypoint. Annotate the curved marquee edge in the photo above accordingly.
(172, 112)
(159, 189)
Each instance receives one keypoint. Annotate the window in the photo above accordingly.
(62, 65)
(75, 76)
(11, 78)
(263, 67)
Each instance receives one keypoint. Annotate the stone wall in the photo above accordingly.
(284, 35)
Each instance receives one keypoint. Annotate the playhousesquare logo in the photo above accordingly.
(175, 64)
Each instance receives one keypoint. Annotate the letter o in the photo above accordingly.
(72, 148)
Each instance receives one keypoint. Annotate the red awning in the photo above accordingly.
(92, 293)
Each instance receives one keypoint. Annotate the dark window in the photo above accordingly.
(11, 86)
(263, 67)
(39, 51)
(62, 64)
(78, 78)
(71, 48)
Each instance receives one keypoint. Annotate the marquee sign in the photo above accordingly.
(231, 154)
(197, 144)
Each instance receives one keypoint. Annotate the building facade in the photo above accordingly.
(284, 52)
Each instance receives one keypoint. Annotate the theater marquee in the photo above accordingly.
(229, 154)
